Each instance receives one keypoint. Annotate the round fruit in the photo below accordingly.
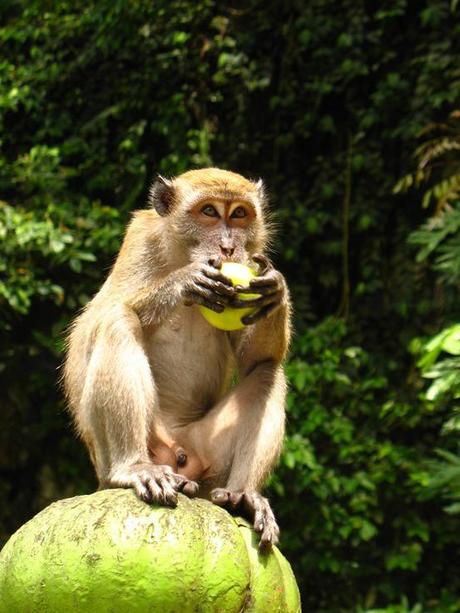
(111, 552)
(230, 318)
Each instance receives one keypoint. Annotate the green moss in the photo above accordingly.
(111, 553)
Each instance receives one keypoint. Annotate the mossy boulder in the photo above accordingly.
(110, 552)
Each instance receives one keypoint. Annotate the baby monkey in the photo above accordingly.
(149, 381)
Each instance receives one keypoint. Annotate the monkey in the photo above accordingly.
(178, 459)
(151, 385)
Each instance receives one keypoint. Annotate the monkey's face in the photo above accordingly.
(213, 213)
(222, 228)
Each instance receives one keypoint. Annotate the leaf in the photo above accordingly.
(368, 531)
(451, 340)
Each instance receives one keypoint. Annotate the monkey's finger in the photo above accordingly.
(255, 317)
(208, 294)
(259, 302)
(267, 288)
(216, 262)
(269, 280)
(218, 307)
(262, 285)
(263, 262)
(216, 275)
(217, 287)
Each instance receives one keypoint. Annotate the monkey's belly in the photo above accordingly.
(191, 363)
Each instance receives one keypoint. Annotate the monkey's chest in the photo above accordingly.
(191, 363)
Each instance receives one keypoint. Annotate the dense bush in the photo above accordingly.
(325, 100)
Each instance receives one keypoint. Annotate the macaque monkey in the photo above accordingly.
(148, 379)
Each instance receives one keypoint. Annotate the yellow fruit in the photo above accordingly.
(230, 318)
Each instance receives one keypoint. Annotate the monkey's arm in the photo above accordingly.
(200, 283)
(114, 402)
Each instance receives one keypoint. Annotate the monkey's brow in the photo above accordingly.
(221, 195)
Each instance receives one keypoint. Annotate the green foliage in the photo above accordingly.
(438, 162)
(440, 237)
(446, 604)
(353, 466)
(445, 372)
(445, 478)
(324, 100)
(439, 241)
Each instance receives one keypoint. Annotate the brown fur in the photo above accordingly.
(145, 374)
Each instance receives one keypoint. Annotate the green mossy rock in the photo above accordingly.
(111, 553)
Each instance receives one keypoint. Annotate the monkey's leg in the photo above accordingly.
(117, 413)
(241, 438)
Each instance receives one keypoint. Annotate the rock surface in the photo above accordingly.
(109, 552)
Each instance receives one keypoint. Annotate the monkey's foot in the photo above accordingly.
(153, 483)
(253, 506)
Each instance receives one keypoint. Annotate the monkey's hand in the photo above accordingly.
(253, 506)
(206, 285)
(153, 483)
(271, 286)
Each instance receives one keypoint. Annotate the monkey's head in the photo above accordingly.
(214, 213)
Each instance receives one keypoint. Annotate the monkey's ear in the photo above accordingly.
(161, 195)
(260, 187)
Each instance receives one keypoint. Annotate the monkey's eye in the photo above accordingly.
(239, 212)
(210, 211)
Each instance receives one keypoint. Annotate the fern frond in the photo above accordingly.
(450, 184)
(435, 149)
(434, 127)
(443, 193)
(403, 184)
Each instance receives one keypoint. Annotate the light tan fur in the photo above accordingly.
(144, 373)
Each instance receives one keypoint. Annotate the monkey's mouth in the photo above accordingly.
(238, 256)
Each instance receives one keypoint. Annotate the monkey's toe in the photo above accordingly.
(226, 498)
(152, 483)
(256, 508)
(220, 496)
(141, 491)
(269, 536)
(164, 491)
(264, 520)
(190, 488)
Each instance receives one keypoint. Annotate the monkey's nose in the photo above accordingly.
(227, 252)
